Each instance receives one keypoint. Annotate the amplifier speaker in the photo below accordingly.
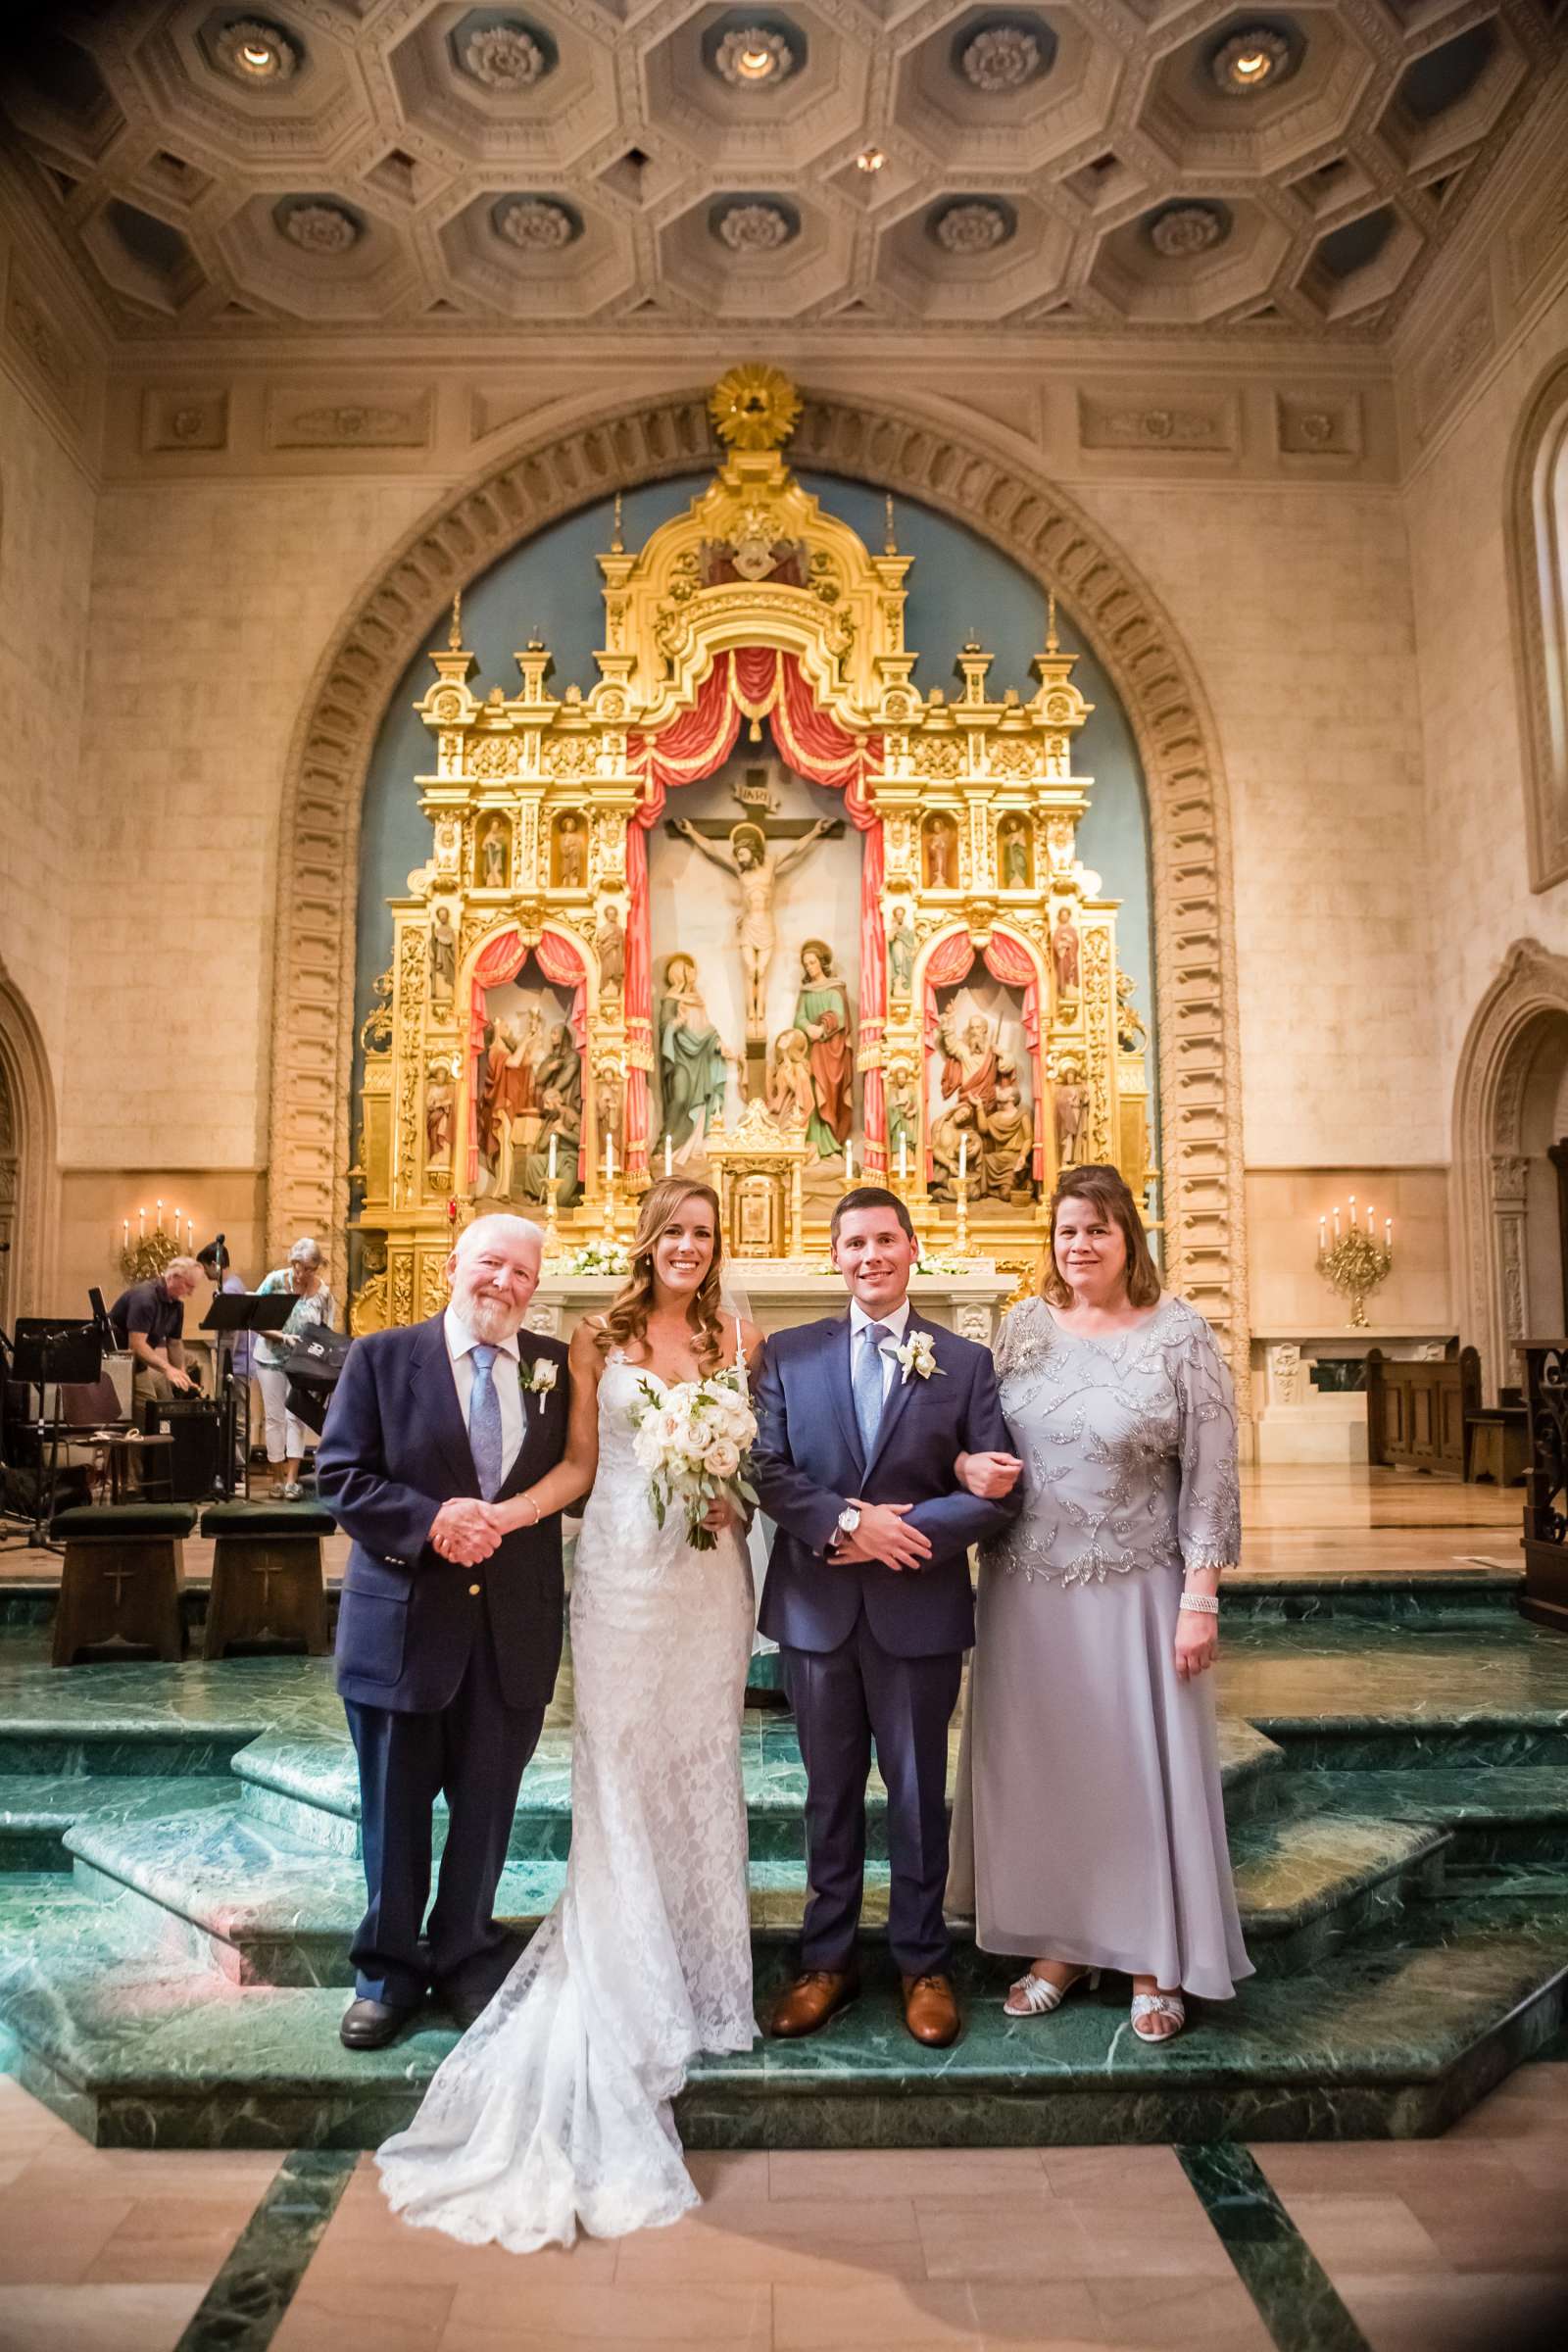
(196, 1453)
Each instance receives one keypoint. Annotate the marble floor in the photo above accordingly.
(1455, 2245)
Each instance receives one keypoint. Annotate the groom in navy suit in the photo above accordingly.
(861, 1422)
(450, 1631)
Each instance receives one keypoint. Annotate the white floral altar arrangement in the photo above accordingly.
(594, 1257)
(694, 1439)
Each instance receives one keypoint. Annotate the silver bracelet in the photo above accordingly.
(1203, 1604)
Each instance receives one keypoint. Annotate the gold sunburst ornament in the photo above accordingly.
(755, 407)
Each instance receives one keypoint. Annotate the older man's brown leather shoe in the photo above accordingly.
(931, 2010)
(814, 1997)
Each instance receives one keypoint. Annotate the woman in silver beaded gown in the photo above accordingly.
(1089, 1829)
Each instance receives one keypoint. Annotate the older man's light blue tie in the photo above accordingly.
(868, 1384)
(484, 1423)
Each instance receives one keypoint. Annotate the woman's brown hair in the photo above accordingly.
(627, 1317)
(1105, 1189)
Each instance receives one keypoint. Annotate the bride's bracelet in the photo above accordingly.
(1201, 1604)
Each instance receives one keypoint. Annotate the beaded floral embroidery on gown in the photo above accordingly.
(553, 2110)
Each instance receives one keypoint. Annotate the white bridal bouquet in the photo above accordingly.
(692, 1440)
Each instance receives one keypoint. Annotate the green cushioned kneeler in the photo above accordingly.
(107, 1523)
(267, 1519)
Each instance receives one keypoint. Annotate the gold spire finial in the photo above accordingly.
(890, 545)
(616, 547)
(1052, 646)
(454, 635)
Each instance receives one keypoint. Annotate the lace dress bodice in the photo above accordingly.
(1128, 1442)
(554, 2108)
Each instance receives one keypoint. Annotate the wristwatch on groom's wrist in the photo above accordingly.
(849, 1519)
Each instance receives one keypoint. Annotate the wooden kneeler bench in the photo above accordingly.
(120, 1582)
(268, 1579)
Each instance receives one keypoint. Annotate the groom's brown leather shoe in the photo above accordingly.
(931, 2010)
(370, 2025)
(814, 1997)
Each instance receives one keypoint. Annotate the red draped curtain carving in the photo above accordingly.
(1007, 959)
(502, 960)
(756, 682)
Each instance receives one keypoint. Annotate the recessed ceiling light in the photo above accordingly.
(1256, 55)
(870, 159)
(754, 55)
(253, 50)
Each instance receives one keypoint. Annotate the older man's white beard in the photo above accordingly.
(489, 1318)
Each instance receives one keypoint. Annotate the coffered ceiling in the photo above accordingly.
(1097, 165)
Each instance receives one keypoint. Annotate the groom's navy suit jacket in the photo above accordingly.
(392, 1450)
(809, 1460)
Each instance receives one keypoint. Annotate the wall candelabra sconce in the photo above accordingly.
(1353, 1259)
(147, 1253)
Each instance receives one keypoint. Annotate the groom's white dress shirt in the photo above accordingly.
(894, 1324)
(505, 1372)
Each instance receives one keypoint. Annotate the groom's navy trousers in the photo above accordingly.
(873, 1655)
(445, 1672)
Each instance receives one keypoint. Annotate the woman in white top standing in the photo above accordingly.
(286, 1437)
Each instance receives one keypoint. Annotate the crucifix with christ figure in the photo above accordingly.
(751, 862)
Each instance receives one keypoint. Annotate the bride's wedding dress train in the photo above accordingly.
(554, 2111)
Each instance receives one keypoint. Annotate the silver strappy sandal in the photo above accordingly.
(1158, 2004)
(1040, 1996)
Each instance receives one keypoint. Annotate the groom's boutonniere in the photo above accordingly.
(538, 1379)
(918, 1355)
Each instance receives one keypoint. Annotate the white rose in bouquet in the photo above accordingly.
(691, 1441)
(722, 1458)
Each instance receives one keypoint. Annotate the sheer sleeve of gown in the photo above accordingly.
(1208, 1511)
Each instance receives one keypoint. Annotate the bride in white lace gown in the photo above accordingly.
(554, 2111)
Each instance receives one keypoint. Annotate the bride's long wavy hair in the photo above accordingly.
(627, 1315)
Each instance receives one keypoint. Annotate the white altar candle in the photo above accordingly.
(1335, 1220)
(1388, 1233)
(903, 1159)
(553, 1159)
(141, 1224)
(1369, 1216)
(849, 1161)
(190, 1233)
(160, 1216)
(1322, 1233)
(609, 1160)
(963, 1157)
(669, 1156)
(124, 1233)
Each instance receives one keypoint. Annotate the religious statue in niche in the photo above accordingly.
(1069, 1100)
(442, 960)
(691, 1062)
(981, 1116)
(757, 870)
(572, 853)
(440, 1097)
(789, 1090)
(494, 854)
(1015, 854)
(822, 1015)
(528, 1054)
(904, 1112)
(561, 1122)
(610, 1104)
(609, 946)
(939, 840)
(901, 953)
(1067, 949)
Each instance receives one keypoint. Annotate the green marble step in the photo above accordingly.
(1448, 1599)
(37, 1809)
(309, 1789)
(268, 1909)
(1506, 1818)
(1311, 1881)
(1396, 2039)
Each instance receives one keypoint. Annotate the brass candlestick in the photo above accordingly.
(1355, 1262)
(961, 1220)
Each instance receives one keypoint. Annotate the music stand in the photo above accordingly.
(228, 1312)
(49, 1351)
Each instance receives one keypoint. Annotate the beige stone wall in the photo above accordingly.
(46, 534)
(1479, 884)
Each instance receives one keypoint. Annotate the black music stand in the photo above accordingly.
(229, 1311)
(48, 1350)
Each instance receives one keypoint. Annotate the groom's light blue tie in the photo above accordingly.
(484, 1423)
(868, 1384)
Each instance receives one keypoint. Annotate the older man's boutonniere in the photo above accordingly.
(918, 1355)
(538, 1379)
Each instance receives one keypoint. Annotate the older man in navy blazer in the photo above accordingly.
(450, 1631)
(862, 1421)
